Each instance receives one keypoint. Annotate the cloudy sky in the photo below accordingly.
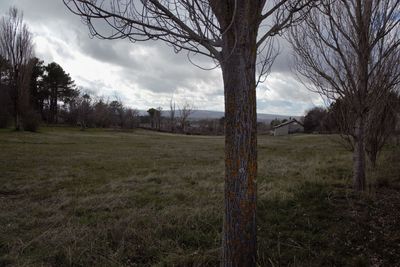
(147, 74)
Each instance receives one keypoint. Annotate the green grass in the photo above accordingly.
(108, 198)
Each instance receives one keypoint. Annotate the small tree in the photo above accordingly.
(185, 111)
(84, 110)
(131, 118)
(158, 118)
(152, 114)
(117, 113)
(101, 114)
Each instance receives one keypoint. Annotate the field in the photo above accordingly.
(111, 198)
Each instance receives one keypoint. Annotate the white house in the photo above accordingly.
(289, 127)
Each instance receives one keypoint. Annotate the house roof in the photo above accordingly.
(288, 122)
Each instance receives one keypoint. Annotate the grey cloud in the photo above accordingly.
(51, 11)
(151, 69)
(164, 71)
(106, 51)
(282, 107)
(283, 62)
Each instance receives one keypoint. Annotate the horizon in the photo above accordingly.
(218, 111)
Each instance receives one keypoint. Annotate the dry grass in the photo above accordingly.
(106, 198)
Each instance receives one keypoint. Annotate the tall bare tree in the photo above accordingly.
(185, 110)
(84, 109)
(16, 48)
(172, 119)
(233, 33)
(349, 50)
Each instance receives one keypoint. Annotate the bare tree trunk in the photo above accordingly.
(363, 17)
(373, 159)
(359, 156)
(15, 106)
(238, 69)
(172, 115)
(16, 99)
(18, 123)
(53, 105)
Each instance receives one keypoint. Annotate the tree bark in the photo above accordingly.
(238, 69)
(53, 105)
(362, 17)
(17, 120)
(359, 156)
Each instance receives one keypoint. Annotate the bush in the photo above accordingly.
(314, 119)
(31, 121)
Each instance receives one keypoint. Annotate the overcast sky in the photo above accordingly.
(147, 74)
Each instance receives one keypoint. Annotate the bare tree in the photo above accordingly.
(172, 109)
(185, 110)
(151, 112)
(232, 33)
(158, 117)
(349, 50)
(17, 49)
(84, 110)
(131, 118)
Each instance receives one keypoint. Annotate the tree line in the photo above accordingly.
(177, 120)
(32, 92)
(51, 96)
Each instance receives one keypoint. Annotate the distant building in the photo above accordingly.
(289, 127)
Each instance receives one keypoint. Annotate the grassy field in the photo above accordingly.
(109, 198)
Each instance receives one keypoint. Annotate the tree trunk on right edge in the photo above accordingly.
(359, 155)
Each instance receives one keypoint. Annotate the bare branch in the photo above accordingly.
(184, 24)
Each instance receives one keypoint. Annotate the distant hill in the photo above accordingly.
(209, 114)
